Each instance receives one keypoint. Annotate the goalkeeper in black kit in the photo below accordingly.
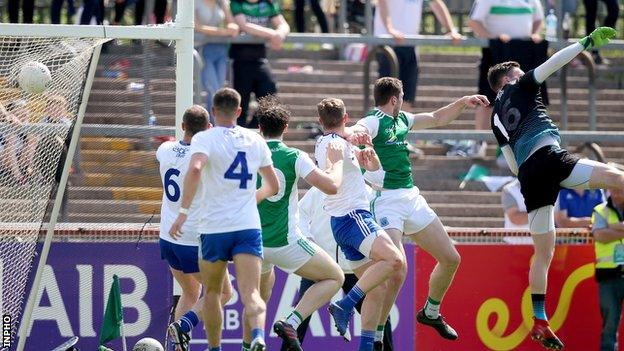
(531, 145)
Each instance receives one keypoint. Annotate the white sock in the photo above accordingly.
(294, 319)
(432, 308)
(379, 333)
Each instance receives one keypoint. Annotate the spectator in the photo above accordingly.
(503, 20)
(120, 9)
(9, 147)
(251, 71)
(28, 10)
(318, 12)
(26, 143)
(608, 231)
(55, 11)
(574, 207)
(399, 18)
(160, 10)
(516, 216)
(90, 9)
(591, 11)
(213, 18)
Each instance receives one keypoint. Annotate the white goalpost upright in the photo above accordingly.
(180, 31)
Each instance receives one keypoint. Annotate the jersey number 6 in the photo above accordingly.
(170, 184)
(243, 176)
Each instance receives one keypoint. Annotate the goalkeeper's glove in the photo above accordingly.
(599, 37)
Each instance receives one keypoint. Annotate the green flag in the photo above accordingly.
(113, 315)
(476, 172)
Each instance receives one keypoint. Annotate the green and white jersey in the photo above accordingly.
(279, 214)
(388, 134)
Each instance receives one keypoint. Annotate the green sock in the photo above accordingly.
(379, 333)
(246, 346)
(432, 308)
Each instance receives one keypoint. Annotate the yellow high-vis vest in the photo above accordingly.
(604, 251)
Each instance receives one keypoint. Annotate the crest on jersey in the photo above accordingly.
(392, 138)
(384, 221)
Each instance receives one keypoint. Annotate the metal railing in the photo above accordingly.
(439, 40)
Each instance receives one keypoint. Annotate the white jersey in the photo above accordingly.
(229, 178)
(352, 192)
(174, 157)
(405, 15)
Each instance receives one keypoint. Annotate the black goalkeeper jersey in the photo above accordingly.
(520, 119)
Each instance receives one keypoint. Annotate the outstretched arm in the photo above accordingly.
(448, 113)
(597, 38)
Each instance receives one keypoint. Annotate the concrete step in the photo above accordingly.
(116, 96)
(473, 210)
(113, 206)
(122, 84)
(159, 108)
(472, 222)
(463, 197)
(79, 217)
(120, 180)
(115, 193)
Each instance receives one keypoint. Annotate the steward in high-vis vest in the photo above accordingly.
(608, 231)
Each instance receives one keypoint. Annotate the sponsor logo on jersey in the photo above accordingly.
(180, 151)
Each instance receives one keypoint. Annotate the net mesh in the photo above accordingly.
(34, 128)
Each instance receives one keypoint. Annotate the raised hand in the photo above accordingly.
(599, 37)
(360, 138)
(476, 100)
(335, 152)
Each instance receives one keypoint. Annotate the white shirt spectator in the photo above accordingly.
(512, 197)
(406, 16)
(512, 17)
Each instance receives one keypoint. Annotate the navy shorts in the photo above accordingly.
(180, 257)
(355, 233)
(224, 246)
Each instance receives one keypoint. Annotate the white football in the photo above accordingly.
(34, 77)
(147, 344)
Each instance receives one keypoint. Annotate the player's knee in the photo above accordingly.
(254, 305)
(397, 262)
(192, 294)
(451, 260)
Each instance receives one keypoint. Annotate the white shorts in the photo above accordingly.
(289, 258)
(402, 209)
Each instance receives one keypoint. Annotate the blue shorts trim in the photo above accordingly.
(180, 257)
(351, 230)
(224, 246)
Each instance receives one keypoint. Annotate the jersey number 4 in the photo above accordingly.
(243, 175)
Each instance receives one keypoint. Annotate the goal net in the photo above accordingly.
(34, 135)
(127, 98)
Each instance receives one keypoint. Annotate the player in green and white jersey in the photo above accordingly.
(399, 208)
(283, 243)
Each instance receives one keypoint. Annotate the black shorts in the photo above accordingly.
(541, 174)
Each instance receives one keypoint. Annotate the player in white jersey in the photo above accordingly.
(283, 244)
(181, 253)
(366, 246)
(225, 161)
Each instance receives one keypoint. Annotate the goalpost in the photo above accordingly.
(71, 53)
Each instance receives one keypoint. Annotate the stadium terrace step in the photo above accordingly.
(116, 96)
(79, 217)
(120, 167)
(115, 193)
(110, 206)
(308, 54)
(136, 119)
(472, 222)
(464, 197)
(138, 157)
(121, 85)
(136, 107)
(462, 210)
(155, 72)
(120, 180)
(119, 144)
